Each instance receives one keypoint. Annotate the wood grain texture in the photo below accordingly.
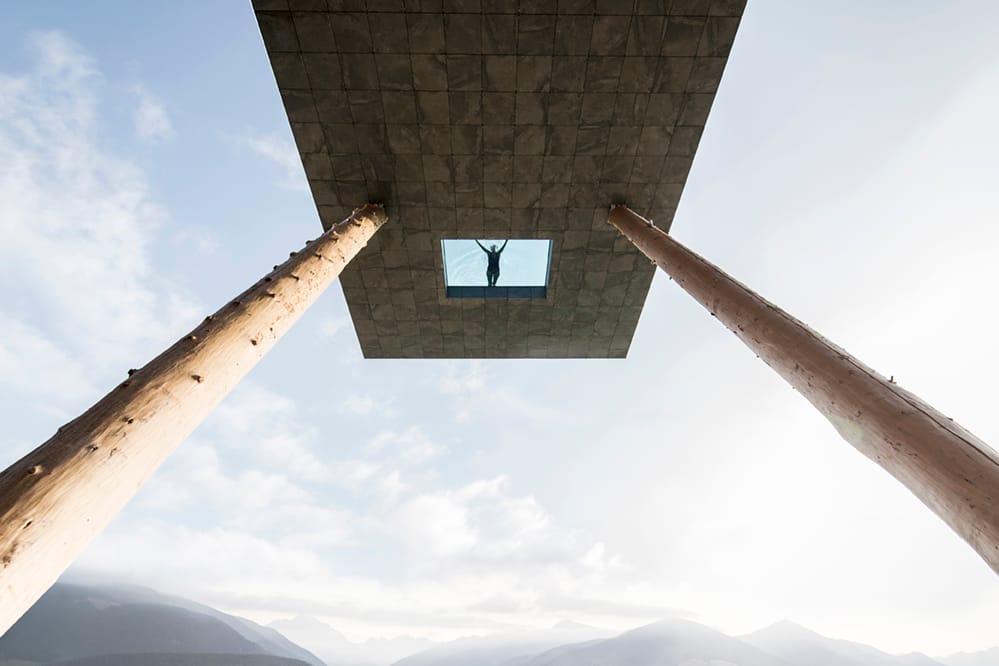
(945, 466)
(60, 496)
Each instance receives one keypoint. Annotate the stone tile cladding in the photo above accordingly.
(497, 119)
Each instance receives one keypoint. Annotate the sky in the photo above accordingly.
(847, 173)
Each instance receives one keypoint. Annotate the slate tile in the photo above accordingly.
(366, 106)
(718, 35)
(347, 168)
(499, 73)
(389, 32)
(437, 168)
(531, 108)
(498, 108)
(690, 7)
(557, 169)
(652, 7)
(554, 195)
(359, 72)
(435, 139)
(675, 169)
(465, 108)
(289, 71)
(645, 36)
(682, 36)
(536, 34)
(278, 31)
(466, 139)
(598, 108)
(309, 137)
(534, 73)
(496, 195)
(318, 166)
(394, 71)
(591, 140)
(603, 73)
(527, 168)
(705, 75)
(672, 75)
(587, 168)
(468, 193)
(331, 105)
(623, 140)
(564, 108)
(664, 109)
(426, 33)
(464, 72)
(638, 74)
(323, 70)
(341, 138)
(561, 140)
(351, 32)
(399, 107)
(610, 35)
(684, 141)
(526, 195)
(497, 168)
(463, 33)
(467, 168)
(440, 194)
(371, 139)
(498, 139)
(378, 167)
(616, 168)
(647, 169)
(568, 73)
(529, 140)
(572, 34)
(727, 7)
(630, 108)
(433, 108)
(429, 72)
(655, 140)
(499, 33)
(695, 109)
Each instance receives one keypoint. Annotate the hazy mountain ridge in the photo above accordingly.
(98, 621)
(334, 648)
(75, 625)
(798, 645)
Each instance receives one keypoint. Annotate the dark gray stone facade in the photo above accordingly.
(497, 119)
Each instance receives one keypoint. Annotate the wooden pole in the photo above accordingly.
(57, 498)
(946, 467)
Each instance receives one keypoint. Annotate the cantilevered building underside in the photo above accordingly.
(479, 119)
(426, 127)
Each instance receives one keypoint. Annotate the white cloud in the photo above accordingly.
(151, 120)
(463, 377)
(279, 149)
(411, 446)
(361, 405)
(76, 221)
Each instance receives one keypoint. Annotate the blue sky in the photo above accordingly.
(847, 173)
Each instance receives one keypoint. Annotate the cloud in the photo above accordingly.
(411, 446)
(151, 121)
(279, 149)
(330, 326)
(361, 405)
(76, 221)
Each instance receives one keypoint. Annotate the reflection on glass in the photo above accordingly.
(486, 263)
(484, 268)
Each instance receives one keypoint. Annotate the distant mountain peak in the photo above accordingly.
(570, 625)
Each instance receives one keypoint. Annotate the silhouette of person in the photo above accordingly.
(492, 269)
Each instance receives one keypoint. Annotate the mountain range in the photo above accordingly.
(77, 625)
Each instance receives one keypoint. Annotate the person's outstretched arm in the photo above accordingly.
(483, 248)
(504, 244)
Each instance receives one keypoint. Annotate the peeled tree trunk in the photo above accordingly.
(950, 470)
(56, 499)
